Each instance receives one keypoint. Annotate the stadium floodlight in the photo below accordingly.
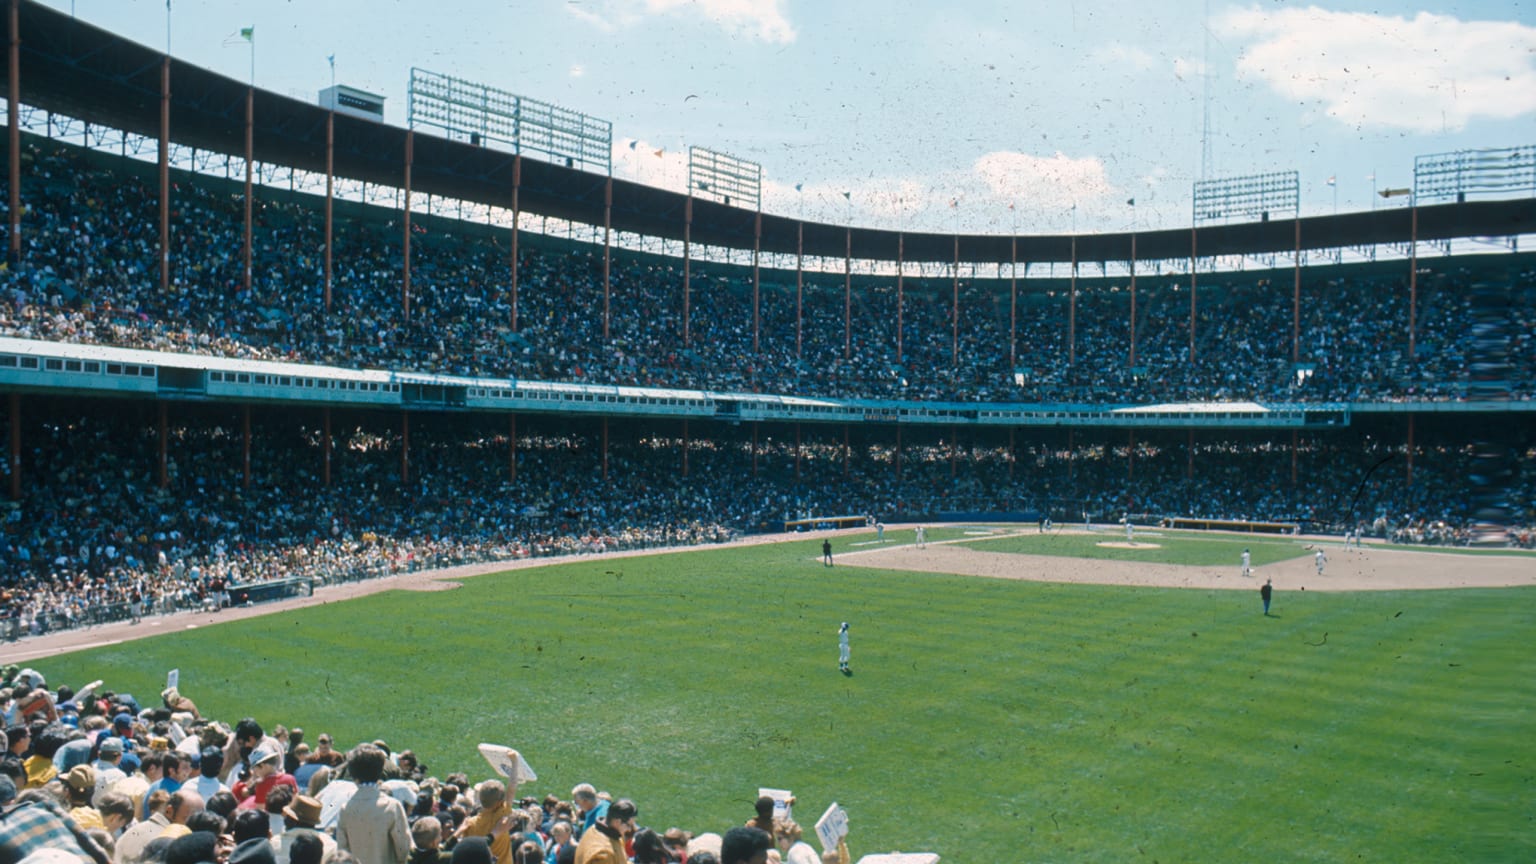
(1256, 196)
(480, 114)
(1494, 171)
(725, 178)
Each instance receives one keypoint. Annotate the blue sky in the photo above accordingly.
(970, 115)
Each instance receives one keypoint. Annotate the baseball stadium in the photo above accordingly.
(1205, 543)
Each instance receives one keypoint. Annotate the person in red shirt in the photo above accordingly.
(266, 772)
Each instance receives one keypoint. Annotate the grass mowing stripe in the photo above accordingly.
(1021, 721)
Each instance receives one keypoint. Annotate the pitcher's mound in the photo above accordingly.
(1121, 544)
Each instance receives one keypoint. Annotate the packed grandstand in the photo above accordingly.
(1400, 402)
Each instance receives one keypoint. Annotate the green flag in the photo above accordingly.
(248, 34)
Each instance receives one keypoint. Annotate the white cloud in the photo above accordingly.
(999, 191)
(1042, 181)
(1430, 73)
(577, 70)
(652, 164)
(757, 19)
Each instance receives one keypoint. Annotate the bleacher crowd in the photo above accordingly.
(89, 273)
(91, 776)
(95, 537)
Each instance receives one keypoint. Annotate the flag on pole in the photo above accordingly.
(1333, 180)
(248, 34)
(660, 153)
(799, 187)
(1130, 202)
(331, 59)
(634, 143)
(848, 196)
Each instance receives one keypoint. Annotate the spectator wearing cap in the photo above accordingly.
(80, 786)
(372, 825)
(210, 763)
(176, 769)
(108, 757)
(604, 842)
(300, 818)
(134, 783)
(265, 773)
(122, 725)
(246, 739)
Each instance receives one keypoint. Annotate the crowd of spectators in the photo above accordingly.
(89, 273)
(93, 776)
(95, 535)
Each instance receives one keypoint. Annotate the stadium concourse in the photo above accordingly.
(91, 775)
(88, 274)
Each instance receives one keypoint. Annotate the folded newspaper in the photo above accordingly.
(508, 763)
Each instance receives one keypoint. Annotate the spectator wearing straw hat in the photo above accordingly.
(300, 817)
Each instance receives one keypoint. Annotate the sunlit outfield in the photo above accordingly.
(987, 720)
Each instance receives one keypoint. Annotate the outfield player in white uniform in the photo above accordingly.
(1247, 561)
(922, 537)
(842, 648)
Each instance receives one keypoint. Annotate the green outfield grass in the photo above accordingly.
(987, 720)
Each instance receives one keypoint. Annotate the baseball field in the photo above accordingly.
(1014, 695)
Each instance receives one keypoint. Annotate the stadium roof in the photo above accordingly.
(73, 68)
